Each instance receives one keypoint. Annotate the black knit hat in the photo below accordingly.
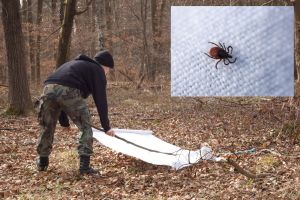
(105, 58)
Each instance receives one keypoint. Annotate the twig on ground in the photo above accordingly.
(8, 129)
(245, 172)
(269, 151)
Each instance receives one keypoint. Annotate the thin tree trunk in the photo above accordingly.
(109, 35)
(19, 96)
(38, 40)
(25, 25)
(31, 42)
(61, 11)
(145, 51)
(101, 24)
(54, 24)
(108, 19)
(66, 31)
(93, 28)
(157, 20)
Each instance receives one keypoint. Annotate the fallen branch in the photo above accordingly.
(243, 171)
(269, 151)
(8, 129)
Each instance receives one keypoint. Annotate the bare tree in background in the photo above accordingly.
(93, 28)
(19, 96)
(54, 23)
(38, 40)
(157, 15)
(66, 30)
(31, 41)
(144, 69)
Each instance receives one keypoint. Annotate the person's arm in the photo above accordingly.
(99, 96)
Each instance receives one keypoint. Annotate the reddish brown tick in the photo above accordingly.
(221, 53)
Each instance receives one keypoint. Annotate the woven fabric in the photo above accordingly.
(263, 43)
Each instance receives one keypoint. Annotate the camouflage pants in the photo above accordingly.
(56, 98)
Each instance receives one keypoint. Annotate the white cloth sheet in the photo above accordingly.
(180, 158)
(263, 43)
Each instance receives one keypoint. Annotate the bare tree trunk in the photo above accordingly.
(157, 21)
(61, 11)
(109, 35)
(144, 70)
(54, 24)
(19, 96)
(38, 41)
(66, 31)
(25, 25)
(31, 42)
(108, 19)
(93, 28)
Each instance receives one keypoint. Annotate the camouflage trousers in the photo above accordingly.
(54, 99)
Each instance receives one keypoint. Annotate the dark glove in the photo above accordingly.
(63, 119)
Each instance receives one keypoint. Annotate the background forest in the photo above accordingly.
(137, 32)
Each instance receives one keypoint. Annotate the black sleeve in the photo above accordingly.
(63, 119)
(99, 96)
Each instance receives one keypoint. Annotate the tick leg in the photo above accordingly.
(227, 60)
(217, 64)
(232, 61)
(208, 55)
(223, 46)
(229, 47)
(215, 44)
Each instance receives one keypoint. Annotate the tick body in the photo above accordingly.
(220, 52)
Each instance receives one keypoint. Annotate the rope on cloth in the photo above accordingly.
(145, 146)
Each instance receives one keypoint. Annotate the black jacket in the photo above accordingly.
(88, 76)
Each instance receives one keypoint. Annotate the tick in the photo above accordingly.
(220, 52)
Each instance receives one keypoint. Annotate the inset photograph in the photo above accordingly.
(232, 51)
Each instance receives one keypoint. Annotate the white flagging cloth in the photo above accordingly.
(263, 43)
(144, 145)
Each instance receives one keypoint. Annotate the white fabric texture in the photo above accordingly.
(263, 43)
(180, 158)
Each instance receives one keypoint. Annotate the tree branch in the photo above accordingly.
(84, 10)
(243, 171)
(53, 32)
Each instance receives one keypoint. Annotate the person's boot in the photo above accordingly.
(84, 167)
(42, 163)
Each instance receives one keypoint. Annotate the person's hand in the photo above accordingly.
(110, 132)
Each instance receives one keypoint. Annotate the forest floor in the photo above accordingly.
(226, 124)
